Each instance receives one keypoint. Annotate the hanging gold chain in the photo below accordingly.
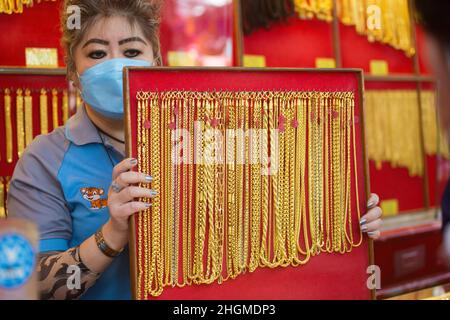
(246, 215)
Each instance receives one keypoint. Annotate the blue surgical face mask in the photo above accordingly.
(103, 86)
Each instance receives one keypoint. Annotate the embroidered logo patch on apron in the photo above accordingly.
(94, 196)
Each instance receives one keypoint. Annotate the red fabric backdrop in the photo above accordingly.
(36, 27)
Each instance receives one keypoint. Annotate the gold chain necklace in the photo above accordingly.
(244, 215)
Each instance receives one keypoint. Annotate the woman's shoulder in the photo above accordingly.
(35, 192)
(51, 142)
(45, 151)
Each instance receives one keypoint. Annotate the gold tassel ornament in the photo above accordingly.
(309, 9)
(2, 199)
(65, 106)
(55, 109)
(17, 6)
(20, 129)
(434, 137)
(43, 111)
(393, 132)
(393, 129)
(7, 183)
(28, 117)
(385, 21)
(8, 126)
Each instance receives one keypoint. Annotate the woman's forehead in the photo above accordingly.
(113, 29)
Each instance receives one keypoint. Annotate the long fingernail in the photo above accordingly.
(149, 178)
(370, 204)
(371, 233)
(133, 162)
(153, 193)
(364, 228)
(363, 221)
(148, 205)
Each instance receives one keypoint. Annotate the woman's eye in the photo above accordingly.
(132, 53)
(97, 55)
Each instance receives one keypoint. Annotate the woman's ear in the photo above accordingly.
(157, 61)
(75, 78)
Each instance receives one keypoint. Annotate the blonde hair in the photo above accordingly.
(144, 13)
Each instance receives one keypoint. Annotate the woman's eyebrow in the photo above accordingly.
(99, 41)
(121, 42)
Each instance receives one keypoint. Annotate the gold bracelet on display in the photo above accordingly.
(55, 108)
(20, 129)
(2, 199)
(8, 126)
(43, 111)
(28, 117)
(65, 106)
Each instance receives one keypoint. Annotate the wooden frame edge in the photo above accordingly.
(361, 80)
(33, 71)
(277, 69)
(238, 33)
(129, 153)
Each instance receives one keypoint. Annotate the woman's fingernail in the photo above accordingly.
(153, 193)
(148, 205)
(363, 221)
(371, 233)
(133, 161)
(370, 204)
(364, 228)
(149, 178)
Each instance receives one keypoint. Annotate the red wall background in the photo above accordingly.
(35, 27)
(295, 43)
(298, 43)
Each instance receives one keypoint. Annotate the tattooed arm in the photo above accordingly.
(55, 275)
(44, 203)
(91, 260)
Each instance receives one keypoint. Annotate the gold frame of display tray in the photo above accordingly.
(159, 112)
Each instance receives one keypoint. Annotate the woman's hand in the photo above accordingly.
(371, 223)
(121, 201)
